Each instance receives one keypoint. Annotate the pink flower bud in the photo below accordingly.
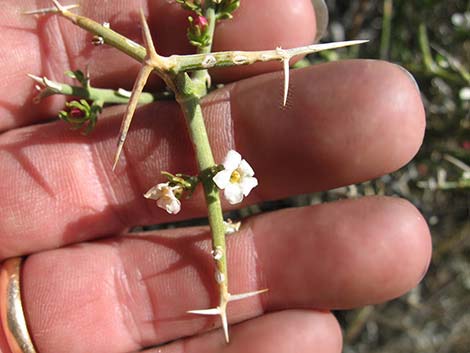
(201, 22)
(76, 113)
(466, 145)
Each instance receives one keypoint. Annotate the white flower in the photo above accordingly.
(236, 179)
(165, 196)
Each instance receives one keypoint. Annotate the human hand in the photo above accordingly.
(345, 122)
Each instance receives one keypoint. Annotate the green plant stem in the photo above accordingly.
(425, 48)
(191, 107)
(109, 36)
(107, 96)
(430, 65)
(386, 29)
(424, 72)
(455, 64)
(238, 58)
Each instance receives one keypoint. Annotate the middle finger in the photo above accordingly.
(342, 120)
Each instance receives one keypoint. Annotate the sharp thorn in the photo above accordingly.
(118, 151)
(223, 317)
(50, 10)
(52, 84)
(208, 80)
(147, 36)
(45, 82)
(358, 41)
(139, 84)
(71, 7)
(335, 45)
(286, 80)
(36, 78)
(235, 297)
(59, 7)
(213, 311)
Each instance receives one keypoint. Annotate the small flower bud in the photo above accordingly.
(201, 22)
(76, 113)
(81, 115)
(198, 31)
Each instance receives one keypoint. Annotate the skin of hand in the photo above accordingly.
(89, 286)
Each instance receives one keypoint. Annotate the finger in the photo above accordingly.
(49, 45)
(131, 292)
(3, 341)
(348, 122)
(59, 187)
(299, 331)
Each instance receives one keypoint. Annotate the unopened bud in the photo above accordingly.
(201, 22)
(76, 113)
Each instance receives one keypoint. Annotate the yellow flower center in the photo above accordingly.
(235, 177)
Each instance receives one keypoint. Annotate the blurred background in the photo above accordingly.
(432, 40)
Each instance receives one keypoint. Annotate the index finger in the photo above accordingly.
(49, 45)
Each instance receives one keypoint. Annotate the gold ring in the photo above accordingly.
(11, 308)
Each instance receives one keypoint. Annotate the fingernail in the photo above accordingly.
(321, 15)
(411, 77)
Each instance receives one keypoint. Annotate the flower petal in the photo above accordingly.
(155, 192)
(232, 160)
(174, 207)
(222, 179)
(246, 169)
(247, 184)
(171, 205)
(233, 193)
